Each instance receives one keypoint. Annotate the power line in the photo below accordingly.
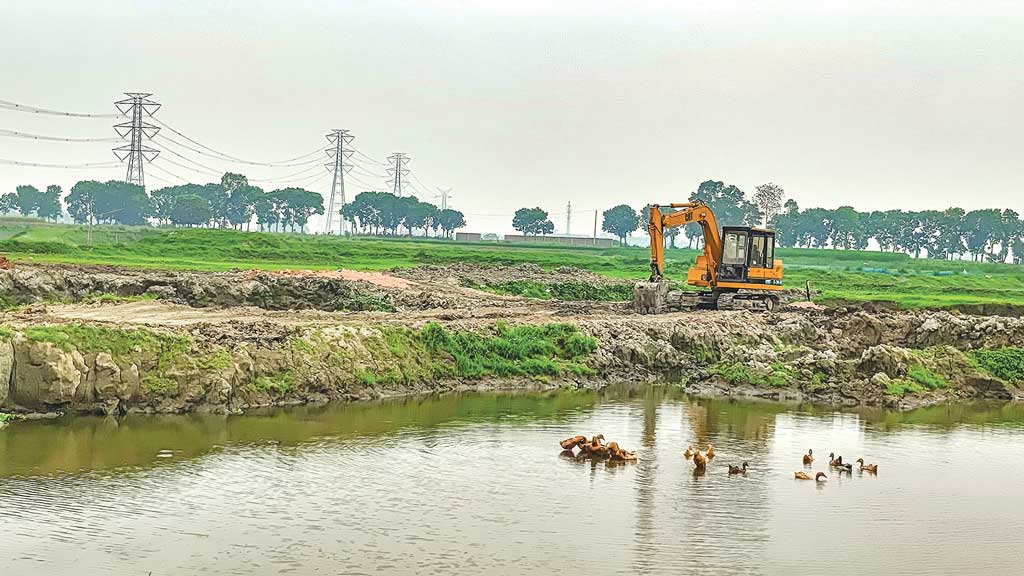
(28, 136)
(165, 138)
(397, 171)
(160, 167)
(74, 166)
(231, 158)
(13, 106)
(368, 158)
(137, 104)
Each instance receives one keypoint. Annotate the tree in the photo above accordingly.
(979, 231)
(533, 221)
(26, 199)
(621, 221)
(241, 202)
(729, 204)
(450, 220)
(81, 199)
(48, 205)
(768, 199)
(191, 210)
(295, 206)
(8, 203)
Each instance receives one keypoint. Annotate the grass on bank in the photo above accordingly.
(538, 351)
(840, 275)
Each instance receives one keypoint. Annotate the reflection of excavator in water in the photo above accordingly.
(739, 266)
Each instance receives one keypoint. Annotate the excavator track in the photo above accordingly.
(655, 298)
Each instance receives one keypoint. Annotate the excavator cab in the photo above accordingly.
(746, 254)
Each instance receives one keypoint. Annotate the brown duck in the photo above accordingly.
(872, 468)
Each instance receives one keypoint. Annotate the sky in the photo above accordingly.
(911, 104)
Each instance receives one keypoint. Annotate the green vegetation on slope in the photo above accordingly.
(1004, 363)
(839, 275)
(539, 351)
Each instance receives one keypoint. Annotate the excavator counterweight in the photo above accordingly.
(737, 269)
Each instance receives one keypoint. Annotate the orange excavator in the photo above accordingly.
(737, 269)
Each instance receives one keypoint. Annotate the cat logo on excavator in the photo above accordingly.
(738, 267)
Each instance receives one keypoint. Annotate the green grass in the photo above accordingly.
(1004, 363)
(6, 418)
(926, 377)
(278, 384)
(840, 275)
(159, 385)
(902, 387)
(738, 374)
(537, 351)
(90, 338)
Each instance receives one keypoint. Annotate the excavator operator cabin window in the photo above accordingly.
(769, 261)
(734, 249)
(758, 251)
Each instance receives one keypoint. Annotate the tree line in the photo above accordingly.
(985, 234)
(385, 214)
(230, 203)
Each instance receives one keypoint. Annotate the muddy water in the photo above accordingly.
(474, 484)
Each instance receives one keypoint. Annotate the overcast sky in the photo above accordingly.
(876, 104)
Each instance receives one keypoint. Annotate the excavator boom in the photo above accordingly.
(738, 264)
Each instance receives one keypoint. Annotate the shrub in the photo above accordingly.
(1005, 363)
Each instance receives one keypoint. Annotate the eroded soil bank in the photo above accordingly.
(226, 342)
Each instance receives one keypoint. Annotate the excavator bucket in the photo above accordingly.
(650, 297)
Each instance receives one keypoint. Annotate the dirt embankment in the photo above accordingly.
(229, 341)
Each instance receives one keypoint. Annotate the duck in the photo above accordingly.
(809, 457)
(594, 447)
(597, 448)
(689, 452)
(618, 453)
(803, 476)
(737, 469)
(872, 468)
(845, 468)
(834, 461)
(700, 460)
(570, 443)
(710, 451)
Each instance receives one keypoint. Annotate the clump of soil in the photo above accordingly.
(27, 284)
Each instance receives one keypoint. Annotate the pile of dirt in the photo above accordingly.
(27, 284)
(462, 273)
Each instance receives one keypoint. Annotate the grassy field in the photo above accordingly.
(840, 275)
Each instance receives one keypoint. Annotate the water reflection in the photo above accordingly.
(474, 483)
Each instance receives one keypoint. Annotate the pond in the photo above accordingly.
(475, 483)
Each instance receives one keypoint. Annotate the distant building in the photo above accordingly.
(467, 236)
(566, 240)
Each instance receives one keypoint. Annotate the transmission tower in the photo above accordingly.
(568, 217)
(338, 155)
(138, 106)
(397, 171)
(444, 195)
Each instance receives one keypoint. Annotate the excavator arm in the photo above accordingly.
(682, 214)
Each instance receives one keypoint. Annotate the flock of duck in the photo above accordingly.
(596, 448)
(836, 463)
